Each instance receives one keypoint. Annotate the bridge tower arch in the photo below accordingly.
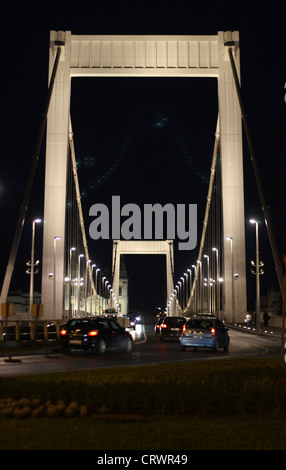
(145, 56)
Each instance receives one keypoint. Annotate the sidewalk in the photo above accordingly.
(264, 330)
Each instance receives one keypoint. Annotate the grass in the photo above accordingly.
(145, 433)
(227, 404)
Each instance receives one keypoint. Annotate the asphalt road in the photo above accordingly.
(147, 350)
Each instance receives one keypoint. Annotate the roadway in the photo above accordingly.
(147, 350)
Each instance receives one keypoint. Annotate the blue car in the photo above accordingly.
(207, 332)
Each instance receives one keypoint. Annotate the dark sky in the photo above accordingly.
(120, 119)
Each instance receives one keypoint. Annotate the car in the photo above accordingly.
(95, 334)
(206, 332)
(158, 325)
(134, 318)
(171, 328)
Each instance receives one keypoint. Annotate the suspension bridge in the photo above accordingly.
(72, 282)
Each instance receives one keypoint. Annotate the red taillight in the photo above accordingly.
(184, 328)
(163, 325)
(212, 331)
(93, 333)
(63, 332)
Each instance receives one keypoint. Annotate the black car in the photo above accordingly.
(95, 334)
(171, 327)
(158, 325)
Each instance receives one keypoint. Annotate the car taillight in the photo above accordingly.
(184, 328)
(63, 332)
(212, 331)
(163, 325)
(93, 333)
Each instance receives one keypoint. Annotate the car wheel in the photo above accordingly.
(128, 346)
(101, 346)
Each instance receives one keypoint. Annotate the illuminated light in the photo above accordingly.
(212, 331)
(63, 332)
(93, 333)
(163, 325)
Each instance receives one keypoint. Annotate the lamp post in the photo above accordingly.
(85, 285)
(217, 284)
(70, 279)
(200, 303)
(183, 293)
(189, 286)
(180, 296)
(230, 239)
(208, 283)
(98, 269)
(257, 272)
(36, 221)
(195, 291)
(102, 291)
(176, 290)
(78, 284)
(92, 297)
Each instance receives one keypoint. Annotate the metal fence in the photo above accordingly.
(27, 331)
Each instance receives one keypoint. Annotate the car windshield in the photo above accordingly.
(200, 323)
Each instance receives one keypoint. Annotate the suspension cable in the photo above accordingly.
(205, 223)
(78, 199)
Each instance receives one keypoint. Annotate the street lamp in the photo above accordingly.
(195, 289)
(36, 221)
(85, 286)
(176, 292)
(217, 284)
(180, 296)
(189, 287)
(102, 291)
(98, 269)
(199, 264)
(208, 283)
(78, 284)
(92, 297)
(70, 279)
(183, 293)
(230, 239)
(258, 265)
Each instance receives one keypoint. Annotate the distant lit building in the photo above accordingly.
(21, 300)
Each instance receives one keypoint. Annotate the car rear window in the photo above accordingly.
(174, 321)
(200, 323)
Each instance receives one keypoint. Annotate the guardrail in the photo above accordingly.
(24, 331)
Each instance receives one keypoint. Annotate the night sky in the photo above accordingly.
(123, 128)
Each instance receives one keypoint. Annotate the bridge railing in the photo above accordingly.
(25, 331)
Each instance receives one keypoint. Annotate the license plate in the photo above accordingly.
(175, 329)
(75, 341)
